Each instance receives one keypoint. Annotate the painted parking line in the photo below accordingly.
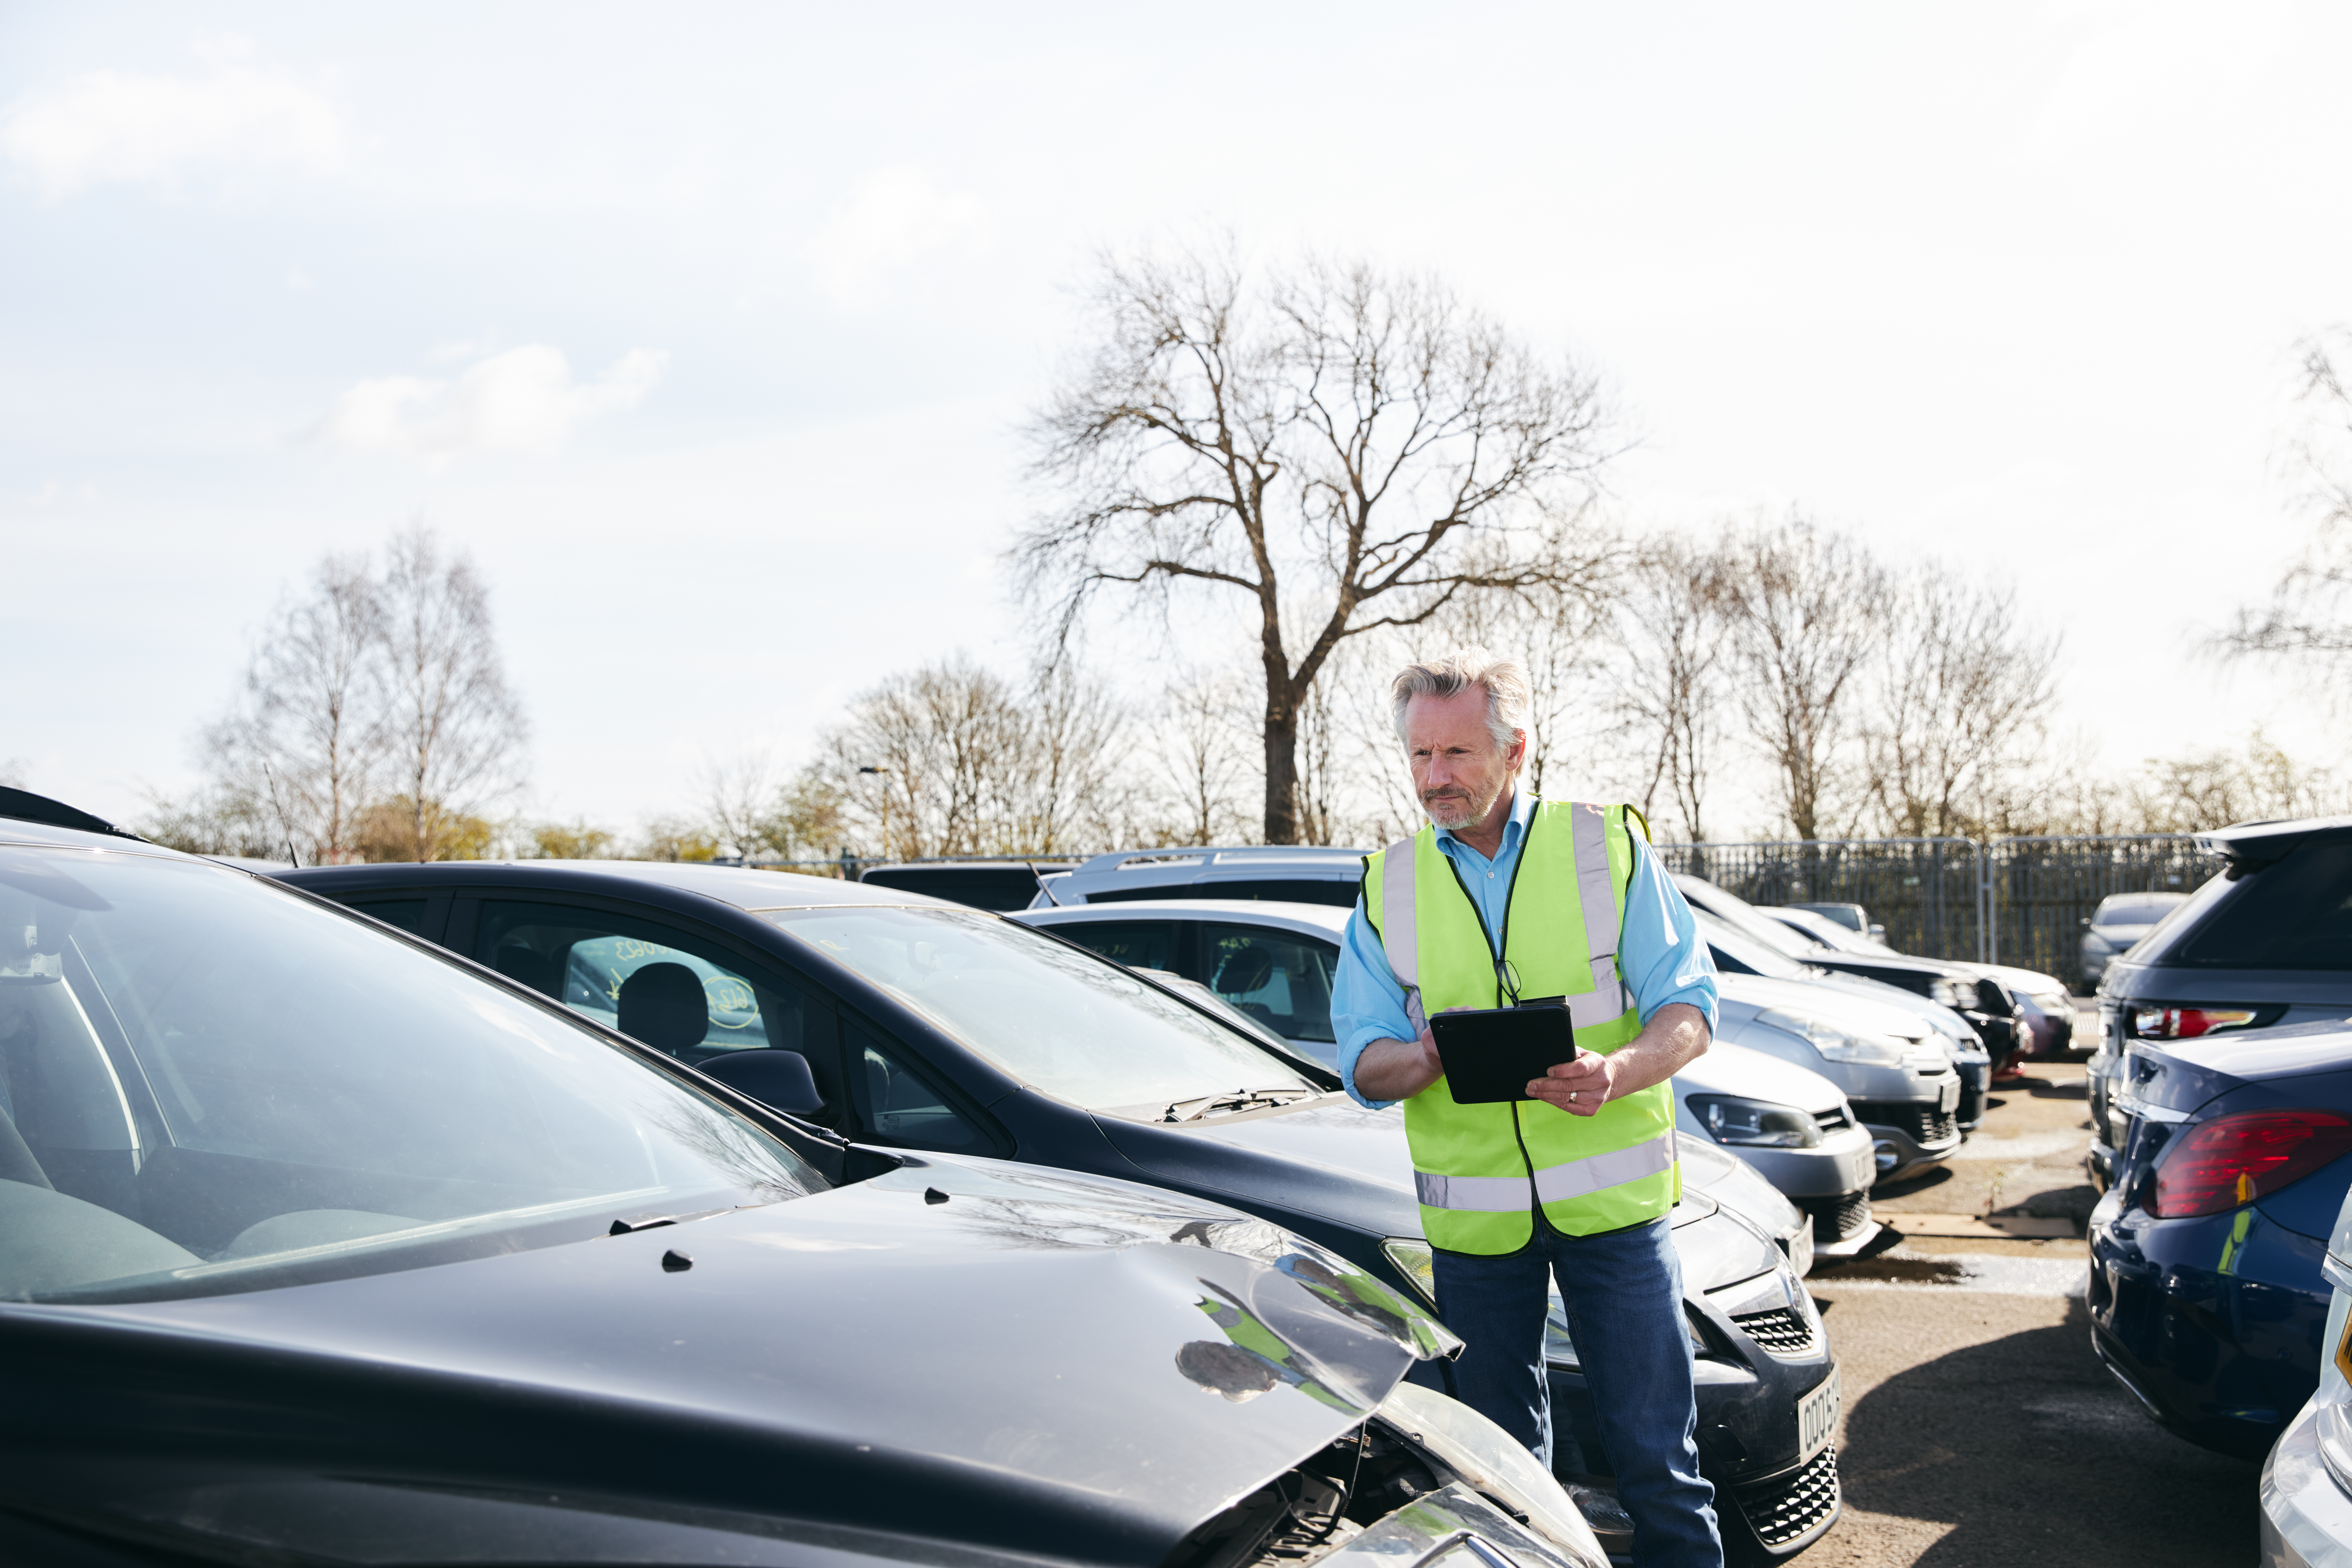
(2045, 1276)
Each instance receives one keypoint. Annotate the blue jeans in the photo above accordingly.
(1625, 1297)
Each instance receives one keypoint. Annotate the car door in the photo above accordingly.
(1281, 978)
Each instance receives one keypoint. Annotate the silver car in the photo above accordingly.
(2306, 1490)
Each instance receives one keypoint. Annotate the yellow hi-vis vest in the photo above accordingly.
(1481, 1170)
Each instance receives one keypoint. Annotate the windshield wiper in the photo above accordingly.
(1240, 1100)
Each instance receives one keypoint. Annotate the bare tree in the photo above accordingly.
(1201, 754)
(1343, 448)
(931, 749)
(1805, 616)
(309, 736)
(1962, 688)
(2309, 616)
(458, 732)
(1670, 625)
(1065, 769)
(737, 798)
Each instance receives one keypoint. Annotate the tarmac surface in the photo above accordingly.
(1979, 1430)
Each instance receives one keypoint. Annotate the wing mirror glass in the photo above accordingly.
(777, 1078)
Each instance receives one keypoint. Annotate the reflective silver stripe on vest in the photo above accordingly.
(1491, 1194)
(1400, 926)
(1580, 1178)
(1553, 1184)
(1596, 890)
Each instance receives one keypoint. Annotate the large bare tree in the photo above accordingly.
(458, 731)
(306, 739)
(1806, 614)
(1964, 686)
(1670, 624)
(1330, 447)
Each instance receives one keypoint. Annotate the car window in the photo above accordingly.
(2124, 911)
(677, 990)
(408, 914)
(1280, 979)
(1755, 925)
(1139, 944)
(1046, 1014)
(208, 1083)
(2296, 914)
(1733, 950)
(896, 1104)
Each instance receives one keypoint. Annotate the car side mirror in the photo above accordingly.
(777, 1078)
(2085, 921)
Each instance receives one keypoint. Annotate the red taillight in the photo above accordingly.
(2188, 1023)
(2221, 1164)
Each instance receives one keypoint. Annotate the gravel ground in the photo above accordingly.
(1979, 1429)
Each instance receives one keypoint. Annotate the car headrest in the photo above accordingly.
(781, 1079)
(663, 1004)
(1245, 969)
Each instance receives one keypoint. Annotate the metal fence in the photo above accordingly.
(2013, 900)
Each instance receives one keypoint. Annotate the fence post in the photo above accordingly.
(1987, 908)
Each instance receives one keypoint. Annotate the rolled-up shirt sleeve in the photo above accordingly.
(1367, 1003)
(1659, 952)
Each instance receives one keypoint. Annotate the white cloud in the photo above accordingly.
(523, 400)
(896, 216)
(124, 125)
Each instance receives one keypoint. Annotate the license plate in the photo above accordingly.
(1948, 1099)
(1817, 1417)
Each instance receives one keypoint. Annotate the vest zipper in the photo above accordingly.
(1518, 1135)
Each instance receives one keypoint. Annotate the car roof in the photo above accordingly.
(743, 888)
(1210, 855)
(1259, 912)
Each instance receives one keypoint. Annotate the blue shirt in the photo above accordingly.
(1659, 952)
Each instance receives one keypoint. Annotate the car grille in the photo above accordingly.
(1925, 1123)
(1783, 1330)
(1834, 1219)
(1785, 1509)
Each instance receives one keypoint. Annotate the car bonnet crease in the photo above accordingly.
(983, 1354)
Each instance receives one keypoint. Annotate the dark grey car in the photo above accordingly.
(2119, 921)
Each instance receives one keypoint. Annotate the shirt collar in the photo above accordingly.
(1515, 826)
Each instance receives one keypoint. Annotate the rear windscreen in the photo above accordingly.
(1009, 889)
(2296, 914)
(1294, 890)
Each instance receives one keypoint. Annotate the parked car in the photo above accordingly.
(1852, 917)
(905, 1022)
(982, 884)
(2267, 941)
(1286, 873)
(320, 1245)
(1985, 1005)
(2042, 1000)
(1901, 1018)
(1275, 962)
(2307, 1486)
(2118, 924)
(2206, 1294)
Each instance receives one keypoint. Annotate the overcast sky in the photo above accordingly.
(707, 329)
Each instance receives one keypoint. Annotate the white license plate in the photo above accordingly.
(1817, 1417)
(1948, 1100)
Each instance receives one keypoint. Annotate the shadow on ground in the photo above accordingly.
(2027, 1448)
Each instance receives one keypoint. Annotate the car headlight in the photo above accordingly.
(1832, 1041)
(1482, 1454)
(1756, 1123)
(1413, 1260)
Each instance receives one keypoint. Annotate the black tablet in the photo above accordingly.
(1490, 1053)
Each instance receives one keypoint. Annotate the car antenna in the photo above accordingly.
(282, 824)
(1044, 886)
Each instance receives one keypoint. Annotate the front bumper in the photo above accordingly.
(1909, 1135)
(1840, 1164)
(2306, 1518)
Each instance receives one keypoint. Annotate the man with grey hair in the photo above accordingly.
(1505, 900)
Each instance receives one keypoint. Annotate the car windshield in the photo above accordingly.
(1051, 1014)
(1760, 927)
(210, 1084)
(2139, 911)
(1735, 950)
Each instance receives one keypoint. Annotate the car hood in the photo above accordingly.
(1742, 996)
(2025, 983)
(1013, 1360)
(1354, 1151)
(1731, 1067)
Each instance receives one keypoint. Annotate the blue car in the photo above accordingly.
(2206, 1295)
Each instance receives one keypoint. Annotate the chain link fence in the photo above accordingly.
(2020, 902)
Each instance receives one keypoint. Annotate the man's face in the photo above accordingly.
(1457, 770)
